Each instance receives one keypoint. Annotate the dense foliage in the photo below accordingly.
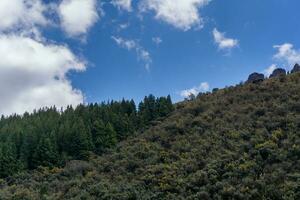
(50, 138)
(240, 142)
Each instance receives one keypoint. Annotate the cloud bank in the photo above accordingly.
(16, 14)
(33, 75)
(33, 70)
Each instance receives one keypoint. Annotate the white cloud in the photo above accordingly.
(78, 16)
(270, 70)
(33, 71)
(123, 4)
(142, 54)
(182, 14)
(127, 44)
(16, 14)
(287, 53)
(123, 26)
(157, 40)
(223, 42)
(203, 87)
(33, 75)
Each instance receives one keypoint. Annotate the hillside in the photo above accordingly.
(240, 142)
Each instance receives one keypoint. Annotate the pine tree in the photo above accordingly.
(46, 153)
(132, 107)
(27, 149)
(110, 136)
(9, 164)
(104, 136)
(78, 141)
(170, 104)
(148, 110)
(164, 106)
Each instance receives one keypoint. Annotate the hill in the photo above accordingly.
(240, 142)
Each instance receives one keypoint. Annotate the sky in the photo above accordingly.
(68, 52)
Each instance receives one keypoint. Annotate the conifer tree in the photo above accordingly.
(104, 136)
(170, 104)
(78, 141)
(27, 149)
(148, 110)
(9, 163)
(164, 106)
(110, 136)
(46, 153)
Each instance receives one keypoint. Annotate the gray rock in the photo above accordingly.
(296, 68)
(255, 78)
(278, 72)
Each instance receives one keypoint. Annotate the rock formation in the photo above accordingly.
(278, 72)
(255, 78)
(296, 68)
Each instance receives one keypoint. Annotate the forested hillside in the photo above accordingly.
(240, 142)
(50, 137)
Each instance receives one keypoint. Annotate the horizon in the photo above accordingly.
(71, 51)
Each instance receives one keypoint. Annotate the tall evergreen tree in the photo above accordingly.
(104, 136)
(9, 163)
(46, 152)
(164, 106)
(78, 141)
(27, 149)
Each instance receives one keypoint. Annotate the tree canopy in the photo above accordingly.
(50, 137)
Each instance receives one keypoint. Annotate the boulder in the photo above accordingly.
(255, 78)
(278, 72)
(296, 68)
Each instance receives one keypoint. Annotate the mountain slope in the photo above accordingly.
(240, 142)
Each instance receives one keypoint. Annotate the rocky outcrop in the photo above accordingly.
(296, 68)
(255, 78)
(278, 72)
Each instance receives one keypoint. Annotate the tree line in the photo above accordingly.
(49, 137)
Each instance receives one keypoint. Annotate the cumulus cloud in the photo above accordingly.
(33, 75)
(33, 71)
(123, 4)
(223, 42)
(287, 53)
(182, 14)
(270, 70)
(16, 14)
(203, 87)
(142, 53)
(78, 16)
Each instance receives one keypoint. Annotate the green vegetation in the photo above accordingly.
(50, 138)
(240, 142)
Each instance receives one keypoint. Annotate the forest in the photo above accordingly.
(240, 142)
(50, 137)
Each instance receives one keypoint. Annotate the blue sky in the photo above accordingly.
(157, 47)
(184, 59)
